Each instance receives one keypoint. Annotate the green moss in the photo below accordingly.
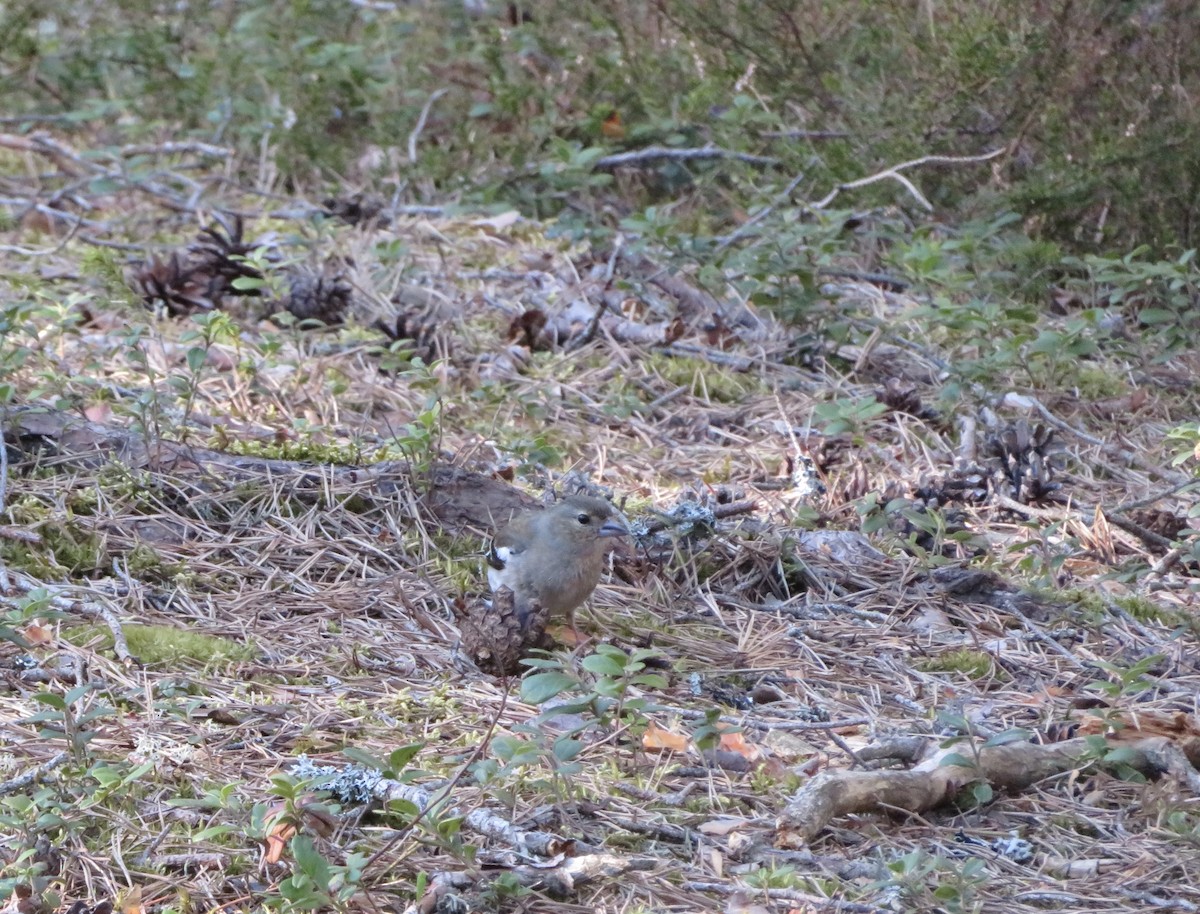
(1145, 610)
(703, 379)
(156, 645)
(972, 664)
(304, 449)
(65, 548)
(1097, 383)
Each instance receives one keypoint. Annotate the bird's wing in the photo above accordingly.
(505, 544)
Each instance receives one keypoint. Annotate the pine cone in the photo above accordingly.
(316, 297)
(496, 635)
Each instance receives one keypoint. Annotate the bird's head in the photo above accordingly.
(584, 520)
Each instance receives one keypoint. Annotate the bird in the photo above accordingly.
(553, 557)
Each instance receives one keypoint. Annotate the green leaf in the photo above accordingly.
(1122, 756)
(544, 686)
(1157, 316)
(50, 698)
(398, 759)
(310, 862)
(1003, 738)
(603, 666)
(567, 749)
(956, 759)
(364, 758)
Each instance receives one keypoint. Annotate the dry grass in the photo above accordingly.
(344, 590)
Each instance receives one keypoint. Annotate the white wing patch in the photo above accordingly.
(499, 577)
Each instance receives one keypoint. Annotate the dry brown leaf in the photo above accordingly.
(656, 737)
(98, 412)
(37, 632)
(736, 742)
(131, 903)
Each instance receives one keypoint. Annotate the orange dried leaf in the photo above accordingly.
(132, 902)
(656, 737)
(277, 841)
(36, 632)
(736, 742)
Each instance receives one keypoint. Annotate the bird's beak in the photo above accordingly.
(614, 526)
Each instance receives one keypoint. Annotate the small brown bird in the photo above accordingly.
(554, 557)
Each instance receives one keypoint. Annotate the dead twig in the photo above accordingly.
(24, 781)
(653, 154)
(893, 173)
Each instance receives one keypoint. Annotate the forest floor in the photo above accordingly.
(236, 549)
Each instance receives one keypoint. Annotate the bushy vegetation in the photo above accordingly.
(1091, 102)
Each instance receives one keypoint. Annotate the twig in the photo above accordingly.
(1082, 510)
(22, 781)
(31, 252)
(782, 197)
(893, 172)
(890, 283)
(805, 134)
(62, 601)
(603, 306)
(416, 131)
(665, 153)
(175, 148)
(1133, 458)
(716, 356)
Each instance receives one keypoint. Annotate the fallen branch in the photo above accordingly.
(938, 780)
(455, 498)
(561, 881)
(23, 782)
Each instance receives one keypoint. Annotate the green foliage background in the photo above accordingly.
(1093, 101)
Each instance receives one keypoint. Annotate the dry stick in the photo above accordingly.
(782, 197)
(893, 172)
(1082, 510)
(719, 512)
(1151, 499)
(1012, 767)
(754, 724)
(417, 130)
(664, 153)
(22, 781)
(603, 306)
(1112, 451)
(31, 252)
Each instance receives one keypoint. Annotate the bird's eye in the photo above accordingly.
(583, 518)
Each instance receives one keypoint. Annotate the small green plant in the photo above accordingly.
(927, 882)
(605, 698)
(1129, 682)
(211, 328)
(71, 717)
(315, 883)
(775, 877)
(1160, 295)
(607, 694)
(849, 414)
